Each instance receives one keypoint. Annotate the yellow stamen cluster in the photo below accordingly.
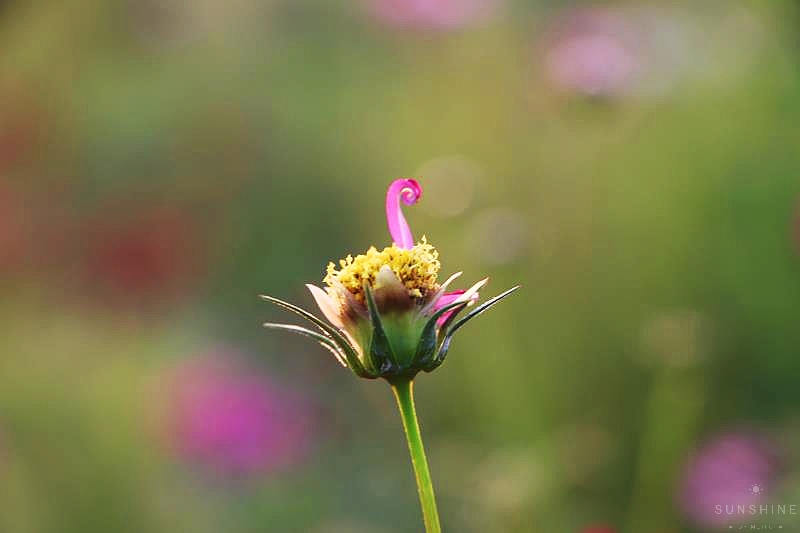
(416, 268)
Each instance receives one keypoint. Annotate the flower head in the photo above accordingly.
(389, 315)
(417, 267)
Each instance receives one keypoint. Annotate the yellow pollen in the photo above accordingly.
(416, 268)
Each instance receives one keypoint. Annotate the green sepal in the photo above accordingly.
(426, 348)
(349, 352)
(324, 340)
(446, 324)
(448, 338)
(379, 347)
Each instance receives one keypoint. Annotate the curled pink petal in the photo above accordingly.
(410, 192)
(449, 298)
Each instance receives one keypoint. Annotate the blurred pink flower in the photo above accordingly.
(730, 470)
(235, 421)
(432, 14)
(592, 54)
(143, 254)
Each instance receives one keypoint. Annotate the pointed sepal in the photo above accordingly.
(380, 351)
(448, 337)
(426, 349)
(350, 353)
(324, 340)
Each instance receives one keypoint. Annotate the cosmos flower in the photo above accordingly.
(389, 317)
(388, 314)
(728, 471)
(233, 421)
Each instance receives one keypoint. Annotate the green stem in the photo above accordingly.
(404, 393)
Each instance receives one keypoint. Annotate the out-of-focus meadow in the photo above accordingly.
(635, 166)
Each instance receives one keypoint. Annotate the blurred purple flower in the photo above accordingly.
(730, 470)
(234, 421)
(592, 54)
(432, 14)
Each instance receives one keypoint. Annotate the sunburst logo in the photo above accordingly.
(756, 489)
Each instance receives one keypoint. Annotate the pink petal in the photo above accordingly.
(430, 306)
(472, 293)
(449, 298)
(389, 291)
(410, 192)
(327, 305)
(449, 280)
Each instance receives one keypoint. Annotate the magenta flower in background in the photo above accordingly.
(592, 54)
(730, 470)
(233, 420)
(648, 51)
(432, 14)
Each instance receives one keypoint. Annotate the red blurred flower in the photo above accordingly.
(151, 255)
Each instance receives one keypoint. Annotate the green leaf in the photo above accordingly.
(324, 340)
(448, 338)
(350, 353)
(379, 344)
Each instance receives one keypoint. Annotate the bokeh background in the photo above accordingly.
(633, 165)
